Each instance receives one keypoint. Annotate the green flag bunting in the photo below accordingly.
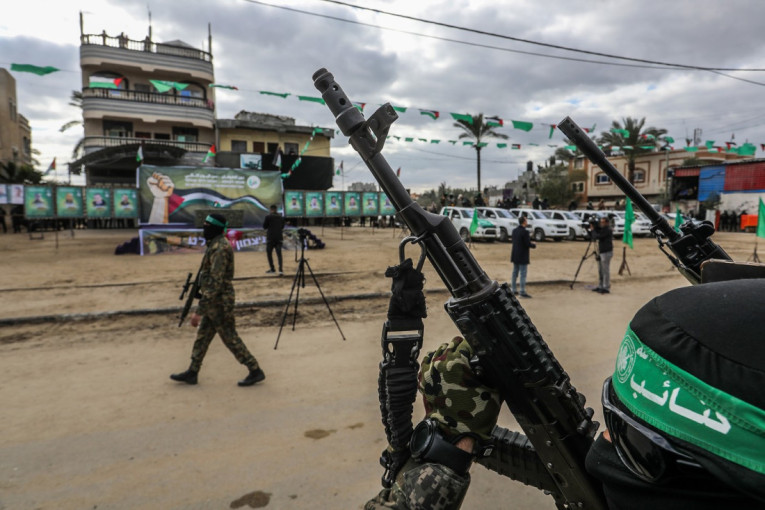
(164, 86)
(474, 223)
(629, 219)
(462, 117)
(219, 86)
(312, 99)
(279, 94)
(761, 220)
(678, 219)
(28, 68)
(401, 109)
(524, 126)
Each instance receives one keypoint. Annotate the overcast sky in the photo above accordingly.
(260, 47)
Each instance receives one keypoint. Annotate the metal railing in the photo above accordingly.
(147, 45)
(147, 97)
(116, 141)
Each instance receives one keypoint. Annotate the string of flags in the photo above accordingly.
(299, 159)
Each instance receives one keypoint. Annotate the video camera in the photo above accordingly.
(303, 233)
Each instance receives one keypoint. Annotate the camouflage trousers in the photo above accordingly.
(221, 321)
(426, 486)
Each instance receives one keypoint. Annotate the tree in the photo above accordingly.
(11, 173)
(630, 138)
(75, 100)
(478, 130)
(555, 184)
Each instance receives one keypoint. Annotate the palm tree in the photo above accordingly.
(633, 140)
(477, 129)
(74, 100)
(11, 173)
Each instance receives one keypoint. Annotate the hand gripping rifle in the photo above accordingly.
(510, 353)
(691, 246)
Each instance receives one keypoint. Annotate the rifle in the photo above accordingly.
(510, 353)
(192, 287)
(691, 246)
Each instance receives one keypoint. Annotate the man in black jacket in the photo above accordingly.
(520, 255)
(605, 238)
(274, 225)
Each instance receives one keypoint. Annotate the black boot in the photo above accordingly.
(253, 377)
(189, 377)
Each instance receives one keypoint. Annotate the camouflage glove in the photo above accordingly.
(454, 396)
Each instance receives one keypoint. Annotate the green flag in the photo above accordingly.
(629, 219)
(524, 126)
(462, 117)
(678, 219)
(761, 220)
(474, 223)
(28, 68)
(164, 85)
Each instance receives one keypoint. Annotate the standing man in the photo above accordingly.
(605, 237)
(274, 225)
(215, 311)
(520, 254)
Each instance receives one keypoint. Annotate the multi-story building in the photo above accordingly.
(15, 133)
(142, 93)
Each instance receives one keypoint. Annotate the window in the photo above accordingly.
(602, 178)
(291, 148)
(238, 146)
(272, 147)
(638, 175)
(258, 147)
(184, 134)
(161, 136)
(579, 163)
(118, 129)
(142, 134)
(142, 87)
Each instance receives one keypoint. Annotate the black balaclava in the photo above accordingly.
(215, 225)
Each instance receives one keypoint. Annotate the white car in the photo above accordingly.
(462, 218)
(575, 226)
(540, 226)
(641, 226)
(505, 221)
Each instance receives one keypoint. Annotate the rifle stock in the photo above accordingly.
(511, 354)
(192, 288)
(692, 246)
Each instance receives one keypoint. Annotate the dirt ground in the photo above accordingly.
(87, 340)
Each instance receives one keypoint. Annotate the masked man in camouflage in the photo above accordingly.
(462, 412)
(215, 311)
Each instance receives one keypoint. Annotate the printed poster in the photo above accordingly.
(69, 202)
(98, 202)
(369, 204)
(38, 202)
(333, 206)
(314, 204)
(251, 161)
(386, 207)
(293, 204)
(352, 203)
(16, 194)
(125, 203)
(3, 194)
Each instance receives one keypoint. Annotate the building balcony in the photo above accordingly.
(93, 144)
(120, 52)
(147, 106)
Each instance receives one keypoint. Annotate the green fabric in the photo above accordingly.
(622, 132)
(678, 219)
(230, 87)
(467, 143)
(502, 145)
(430, 113)
(629, 219)
(669, 139)
(683, 406)
(28, 68)
(401, 109)
(524, 126)
(102, 84)
(462, 117)
(215, 222)
(482, 144)
(761, 220)
(474, 223)
(282, 95)
(691, 149)
(164, 86)
(312, 99)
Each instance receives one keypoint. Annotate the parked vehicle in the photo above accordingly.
(504, 220)
(575, 227)
(641, 226)
(462, 218)
(540, 226)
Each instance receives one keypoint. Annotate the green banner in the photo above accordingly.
(352, 204)
(386, 207)
(98, 202)
(333, 205)
(293, 204)
(125, 203)
(314, 204)
(38, 202)
(69, 202)
(172, 195)
(369, 204)
(155, 241)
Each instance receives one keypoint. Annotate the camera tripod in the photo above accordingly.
(298, 282)
(586, 255)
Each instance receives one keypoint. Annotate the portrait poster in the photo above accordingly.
(369, 204)
(293, 204)
(314, 204)
(16, 193)
(38, 202)
(333, 205)
(69, 202)
(251, 161)
(4, 194)
(125, 202)
(352, 201)
(98, 202)
(386, 207)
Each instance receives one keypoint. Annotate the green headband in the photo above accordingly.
(683, 406)
(213, 221)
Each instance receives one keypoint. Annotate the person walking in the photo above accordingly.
(520, 255)
(215, 311)
(605, 237)
(274, 225)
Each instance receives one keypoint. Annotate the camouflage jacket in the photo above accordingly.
(216, 275)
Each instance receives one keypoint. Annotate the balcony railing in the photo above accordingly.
(148, 97)
(146, 45)
(100, 142)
